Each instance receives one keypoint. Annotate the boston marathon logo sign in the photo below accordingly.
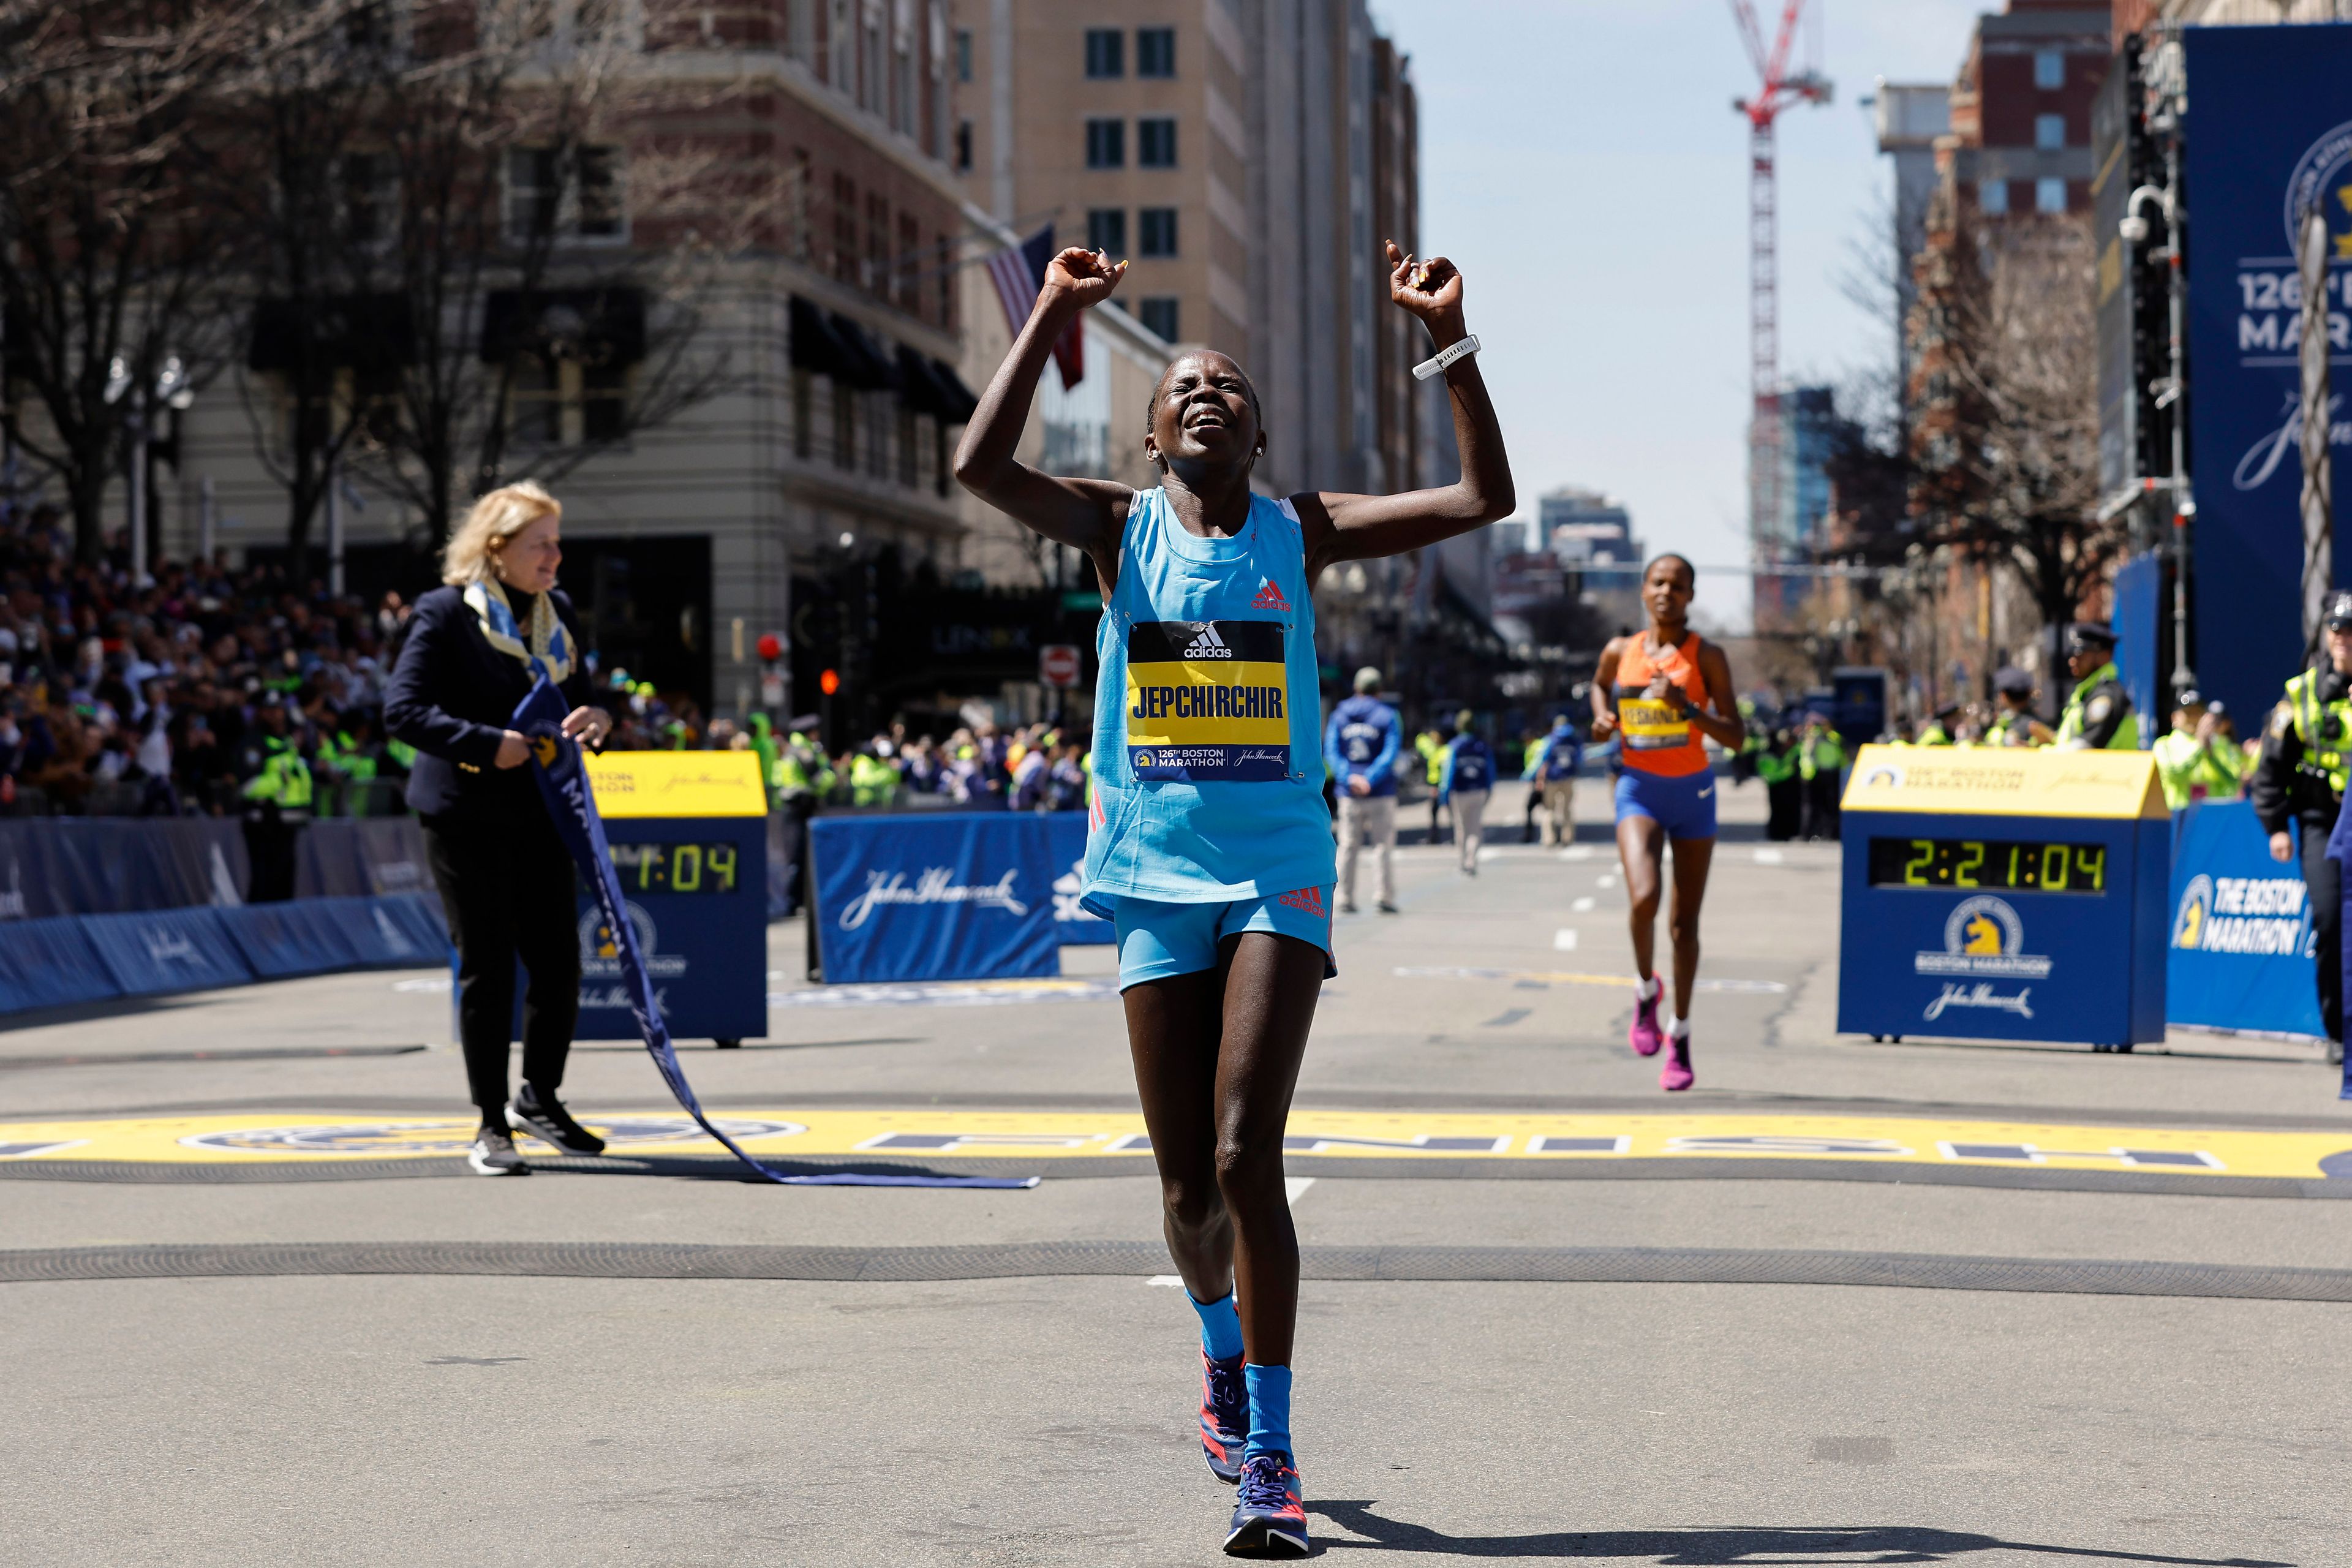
(1982, 938)
(2270, 302)
(2260, 915)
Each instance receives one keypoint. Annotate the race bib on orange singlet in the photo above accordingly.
(1651, 725)
(1208, 701)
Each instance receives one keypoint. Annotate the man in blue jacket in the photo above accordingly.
(1361, 745)
(1464, 785)
(1551, 779)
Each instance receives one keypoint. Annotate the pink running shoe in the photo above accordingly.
(1645, 1036)
(1677, 1074)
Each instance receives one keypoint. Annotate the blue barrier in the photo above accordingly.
(2239, 955)
(50, 963)
(98, 866)
(72, 959)
(967, 896)
(1066, 831)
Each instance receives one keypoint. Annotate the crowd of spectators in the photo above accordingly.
(121, 698)
(172, 698)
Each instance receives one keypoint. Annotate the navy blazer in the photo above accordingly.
(452, 697)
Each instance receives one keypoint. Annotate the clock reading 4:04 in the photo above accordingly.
(676, 867)
(2012, 865)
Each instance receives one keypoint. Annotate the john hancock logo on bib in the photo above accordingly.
(1983, 937)
(1207, 702)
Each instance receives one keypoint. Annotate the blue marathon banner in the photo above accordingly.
(2240, 954)
(564, 785)
(1067, 830)
(2269, 137)
(968, 896)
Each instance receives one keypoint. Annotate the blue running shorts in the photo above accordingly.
(1683, 807)
(1156, 940)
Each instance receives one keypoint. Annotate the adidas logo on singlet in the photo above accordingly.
(1208, 645)
(1269, 598)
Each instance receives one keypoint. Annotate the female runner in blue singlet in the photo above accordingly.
(1211, 847)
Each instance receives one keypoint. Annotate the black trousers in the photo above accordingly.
(1821, 804)
(506, 884)
(1787, 800)
(2321, 876)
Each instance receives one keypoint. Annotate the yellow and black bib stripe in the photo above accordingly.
(1208, 701)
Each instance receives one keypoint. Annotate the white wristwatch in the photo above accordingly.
(1437, 364)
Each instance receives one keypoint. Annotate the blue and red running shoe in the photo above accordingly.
(1225, 1417)
(1270, 1519)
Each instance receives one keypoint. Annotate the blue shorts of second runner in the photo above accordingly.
(1158, 939)
(1683, 807)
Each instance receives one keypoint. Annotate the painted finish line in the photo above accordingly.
(1060, 1135)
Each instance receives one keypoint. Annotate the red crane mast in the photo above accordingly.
(1780, 88)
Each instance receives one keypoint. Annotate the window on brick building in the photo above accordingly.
(1992, 196)
(2048, 70)
(945, 281)
(1161, 315)
(800, 203)
(2049, 132)
(548, 198)
(535, 402)
(1106, 231)
(1106, 143)
(1106, 52)
(963, 147)
(877, 247)
(963, 53)
(911, 260)
(604, 402)
(804, 414)
(1155, 51)
(1156, 231)
(845, 228)
(2050, 195)
(1155, 143)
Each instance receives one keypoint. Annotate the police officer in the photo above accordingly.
(2015, 724)
(1938, 732)
(2193, 761)
(2299, 778)
(275, 782)
(2098, 716)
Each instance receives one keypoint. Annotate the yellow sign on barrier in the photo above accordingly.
(677, 783)
(2003, 781)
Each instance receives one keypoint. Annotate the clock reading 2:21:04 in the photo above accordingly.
(2011, 866)
(676, 867)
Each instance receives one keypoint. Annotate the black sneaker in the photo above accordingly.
(547, 1121)
(1386, 908)
(493, 1154)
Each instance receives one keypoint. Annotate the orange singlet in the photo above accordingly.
(1657, 739)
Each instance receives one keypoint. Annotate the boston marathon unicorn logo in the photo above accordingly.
(2196, 905)
(1983, 936)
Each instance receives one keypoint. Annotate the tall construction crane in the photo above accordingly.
(1782, 88)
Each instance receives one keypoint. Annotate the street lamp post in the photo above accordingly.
(2171, 391)
(171, 389)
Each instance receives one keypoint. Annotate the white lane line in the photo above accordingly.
(1564, 940)
(1167, 1281)
(1771, 857)
(1608, 879)
(1295, 1187)
(1582, 907)
(1581, 852)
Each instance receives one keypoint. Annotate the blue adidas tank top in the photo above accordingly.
(1208, 716)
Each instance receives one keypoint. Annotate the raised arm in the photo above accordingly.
(1085, 513)
(1359, 528)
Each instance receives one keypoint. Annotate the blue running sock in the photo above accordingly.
(1269, 1397)
(1221, 1326)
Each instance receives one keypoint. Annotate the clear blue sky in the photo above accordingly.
(1581, 160)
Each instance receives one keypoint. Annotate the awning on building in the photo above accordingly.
(931, 386)
(868, 364)
(596, 326)
(362, 331)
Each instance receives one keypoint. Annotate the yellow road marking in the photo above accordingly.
(1061, 1135)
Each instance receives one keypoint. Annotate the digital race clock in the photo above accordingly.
(2008, 864)
(676, 867)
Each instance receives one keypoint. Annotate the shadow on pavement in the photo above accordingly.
(1729, 1546)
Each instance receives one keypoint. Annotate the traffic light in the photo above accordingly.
(829, 682)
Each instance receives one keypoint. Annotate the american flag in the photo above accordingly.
(1019, 273)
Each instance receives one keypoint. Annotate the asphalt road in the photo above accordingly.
(726, 1372)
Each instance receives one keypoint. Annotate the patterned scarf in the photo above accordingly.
(548, 657)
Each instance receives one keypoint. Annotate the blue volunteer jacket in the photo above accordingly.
(1363, 737)
(1558, 760)
(1469, 767)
